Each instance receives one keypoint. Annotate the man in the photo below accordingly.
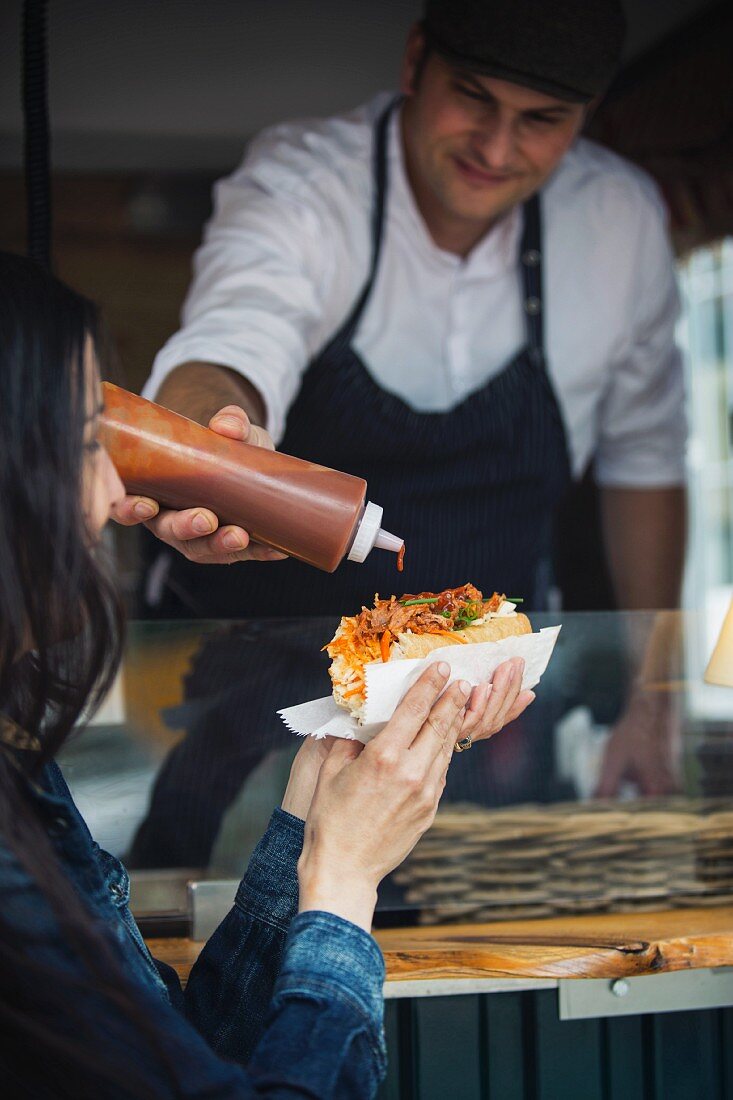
(458, 298)
(419, 392)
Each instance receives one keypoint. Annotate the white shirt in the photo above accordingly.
(287, 251)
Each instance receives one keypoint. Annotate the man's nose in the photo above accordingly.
(494, 143)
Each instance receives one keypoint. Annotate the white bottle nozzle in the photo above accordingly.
(369, 534)
(386, 541)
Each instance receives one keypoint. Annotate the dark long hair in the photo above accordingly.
(60, 641)
(50, 577)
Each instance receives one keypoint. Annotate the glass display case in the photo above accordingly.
(180, 770)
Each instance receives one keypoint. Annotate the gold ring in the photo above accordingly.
(463, 744)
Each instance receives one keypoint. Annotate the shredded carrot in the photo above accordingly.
(384, 644)
(353, 691)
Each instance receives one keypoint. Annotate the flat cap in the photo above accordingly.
(565, 48)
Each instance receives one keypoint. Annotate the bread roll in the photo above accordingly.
(419, 645)
(391, 631)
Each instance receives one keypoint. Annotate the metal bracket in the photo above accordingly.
(209, 901)
(586, 998)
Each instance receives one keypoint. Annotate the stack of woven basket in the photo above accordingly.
(536, 861)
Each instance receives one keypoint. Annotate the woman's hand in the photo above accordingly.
(373, 803)
(304, 775)
(496, 703)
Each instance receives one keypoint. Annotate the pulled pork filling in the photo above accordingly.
(425, 613)
(369, 635)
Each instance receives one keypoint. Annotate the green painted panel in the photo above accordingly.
(513, 1046)
(390, 1090)
(687, 1056)
(503, 1044)
(448, 1048)
(726, 1052)
(623, 1056)
(568, 1062)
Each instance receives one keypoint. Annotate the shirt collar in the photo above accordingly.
(494, 255)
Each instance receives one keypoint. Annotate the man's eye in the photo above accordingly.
(542, 120)
(469, 93)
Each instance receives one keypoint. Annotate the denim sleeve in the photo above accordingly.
(321, 1036)
(231, 984)
(297, 999)
(300, 976)
(333, 976)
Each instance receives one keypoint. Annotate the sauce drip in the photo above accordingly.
(401, 558)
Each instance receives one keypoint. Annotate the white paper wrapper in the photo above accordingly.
(387, 684)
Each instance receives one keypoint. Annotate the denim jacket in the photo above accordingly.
(278, 1004)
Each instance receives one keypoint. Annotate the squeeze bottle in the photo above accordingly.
(310, 512)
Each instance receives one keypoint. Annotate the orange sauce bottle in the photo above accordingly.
(310, 512)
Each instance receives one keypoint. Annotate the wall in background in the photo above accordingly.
(180, 84)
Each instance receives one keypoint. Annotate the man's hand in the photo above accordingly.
(644, 534)
(643, 747)
(195, 532)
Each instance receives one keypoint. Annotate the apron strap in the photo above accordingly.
(530, 255)
(381, 131)
(530, 251)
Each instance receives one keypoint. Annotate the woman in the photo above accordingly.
(286, 998)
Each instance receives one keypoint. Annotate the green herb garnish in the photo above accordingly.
(515, 599)
(414, 603)
(468, 613)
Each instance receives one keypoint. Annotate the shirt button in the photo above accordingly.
(531, 257)
(532, 306)
(59, 824)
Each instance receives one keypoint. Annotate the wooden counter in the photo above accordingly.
(605, 946)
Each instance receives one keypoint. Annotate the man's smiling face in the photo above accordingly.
(475, 145)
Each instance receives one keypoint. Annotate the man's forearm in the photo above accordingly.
(645, 533)
(198, 390)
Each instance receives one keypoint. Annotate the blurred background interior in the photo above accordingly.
(150, 103)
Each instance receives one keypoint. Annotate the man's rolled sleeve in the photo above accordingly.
(256, 300)
(642, 419)
(644, 437)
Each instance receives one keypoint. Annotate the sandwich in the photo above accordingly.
(412, 626)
